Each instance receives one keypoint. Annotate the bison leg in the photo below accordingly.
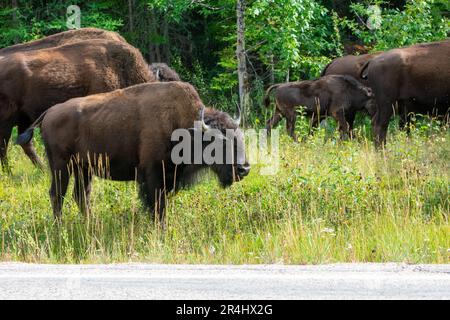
(380, 123)
(82, 190)
(290, 124)
(5, 135)
(350, 118)
(405, 120)
(58, 189)
(273, 121)
(344, 127)
(153, 193)
(313, 123)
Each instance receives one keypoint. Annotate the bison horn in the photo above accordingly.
(205, 127)
(237, 121)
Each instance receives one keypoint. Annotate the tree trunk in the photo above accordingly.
(154, 29)
(130, 15)
(14, 18)
(272, 70)
(242, 66)
(167, 56)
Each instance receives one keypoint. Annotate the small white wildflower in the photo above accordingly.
(327, 230)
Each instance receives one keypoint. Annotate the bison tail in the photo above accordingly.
(267, 95)
(26, 137)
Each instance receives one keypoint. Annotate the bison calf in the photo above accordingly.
(127, 135)
(334, 95)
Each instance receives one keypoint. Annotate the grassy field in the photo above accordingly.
(330, 202)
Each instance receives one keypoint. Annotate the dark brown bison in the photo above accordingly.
(63, 38)
(333, 95)
(127, 135)
(416, 78)
(351, 65)
(164, 73)
(32, 81)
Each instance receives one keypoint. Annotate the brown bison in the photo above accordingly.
(63, 38)
(416, 78)
(333, 95)
(127, 135)
(32, 81)
(164, 73)
(351, 65)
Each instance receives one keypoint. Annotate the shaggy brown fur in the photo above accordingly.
(333, 95)
(63, 38)
(33, 81)
(126, 135)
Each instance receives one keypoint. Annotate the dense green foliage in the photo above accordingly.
(286, 39)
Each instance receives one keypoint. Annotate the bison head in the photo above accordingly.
(215, 142)
(368, 92)
(362, 96)
(230, 164)
(163, 72)
(366, 96)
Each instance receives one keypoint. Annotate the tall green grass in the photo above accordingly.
(331, 201)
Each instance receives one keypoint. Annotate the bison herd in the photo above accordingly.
(409, 80)
(104, 111)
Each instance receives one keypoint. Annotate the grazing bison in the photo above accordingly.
(126, 135)
(333, 95)
(32, 81)
(164, 73)
(63, 38)
(351, 65)
(417, 78)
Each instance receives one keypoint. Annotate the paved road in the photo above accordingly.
(147, 281)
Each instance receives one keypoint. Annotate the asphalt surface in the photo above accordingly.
(148, 281)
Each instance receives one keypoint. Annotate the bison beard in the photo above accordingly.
(126, 135)
(32, 81)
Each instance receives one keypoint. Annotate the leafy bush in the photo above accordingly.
(391, 28)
